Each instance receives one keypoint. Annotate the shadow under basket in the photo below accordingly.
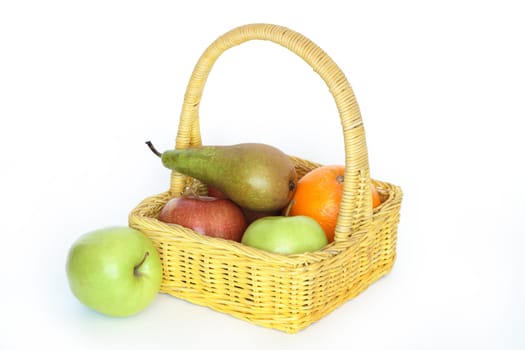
(284, 292)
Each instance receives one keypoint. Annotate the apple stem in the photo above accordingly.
(153, 149)
(136, 268)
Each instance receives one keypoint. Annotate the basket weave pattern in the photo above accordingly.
(285, 292)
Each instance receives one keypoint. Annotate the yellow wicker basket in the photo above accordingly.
(278, 291)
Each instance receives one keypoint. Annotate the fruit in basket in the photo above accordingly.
(214, 192)
(285, 235)
(376, 197)
(319, 194)
(115, 271)
(256, 176)
(250, 215)
(210, 216)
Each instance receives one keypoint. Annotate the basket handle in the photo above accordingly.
(356, 205)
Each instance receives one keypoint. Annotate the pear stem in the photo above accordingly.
(136, 268)
(153, 149)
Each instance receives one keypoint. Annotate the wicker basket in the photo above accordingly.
(278, 291)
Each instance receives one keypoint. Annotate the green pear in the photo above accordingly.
(256, 176)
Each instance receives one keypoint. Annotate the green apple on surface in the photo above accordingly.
(285, 234)
(115, 271)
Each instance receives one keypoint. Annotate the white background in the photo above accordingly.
(441, 90)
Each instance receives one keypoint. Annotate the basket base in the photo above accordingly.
(292, 323)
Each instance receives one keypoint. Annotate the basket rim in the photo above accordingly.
(140, 213)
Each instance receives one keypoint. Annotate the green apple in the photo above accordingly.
(115, 270)
(285, 234)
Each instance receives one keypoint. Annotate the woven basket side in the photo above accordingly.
(269, 291)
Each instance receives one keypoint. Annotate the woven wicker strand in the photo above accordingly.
(285, 292)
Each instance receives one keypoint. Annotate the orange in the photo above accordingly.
(376, 198)
(318, 195)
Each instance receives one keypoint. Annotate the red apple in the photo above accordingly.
(210, 216)
(215, 192)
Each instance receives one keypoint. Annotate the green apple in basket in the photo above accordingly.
(285, 234)
(115, 271)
